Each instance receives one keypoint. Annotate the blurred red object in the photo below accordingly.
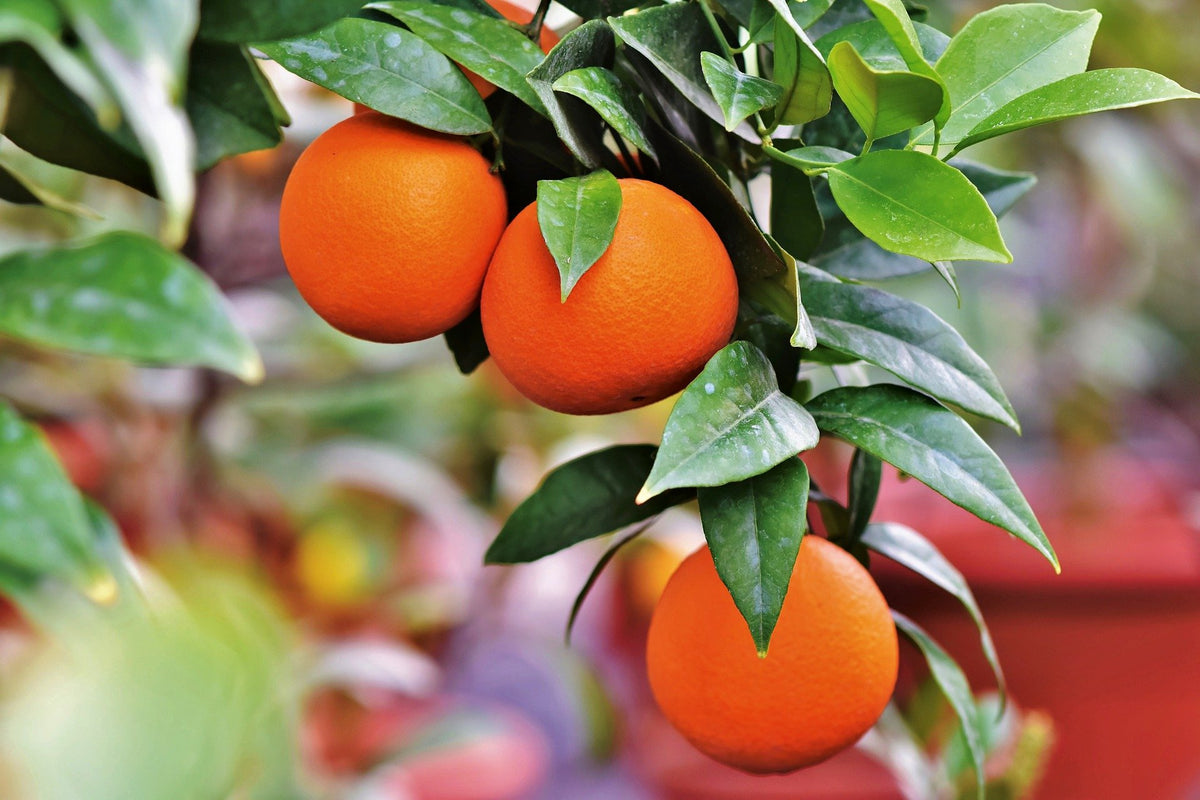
(85, 449)
(1110, 648)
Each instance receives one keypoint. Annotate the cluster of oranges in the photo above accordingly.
(393, 233)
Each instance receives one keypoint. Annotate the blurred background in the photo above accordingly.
(315, 543)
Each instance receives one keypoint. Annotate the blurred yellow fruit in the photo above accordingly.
(333, 563)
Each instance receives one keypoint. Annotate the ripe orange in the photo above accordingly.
(830, 670)
(637, 327)
(387, 229)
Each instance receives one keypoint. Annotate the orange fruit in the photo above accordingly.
(387, 228)
(637, 326)
(825, 680)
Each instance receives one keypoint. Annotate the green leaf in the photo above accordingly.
(44, 532)
(589, 45)
(738, 94)
(141, 54)
(796, 221)
(671, 38)
(467, 344)
(770, 333)
(730, 423)
(685, 172)
(866, 473)
(1074, 96)
(46, 119)
(593, 9)
(242, 21)
(876, 47)
(17, 185)
(494, 49)
(616, 103)
(754, 528)
(577, 217)
(910, 549)
(389, 69)
(800, 70)
(934, 445)
(895, 20)
(39, 25)
(953, 683)
(883, 103)
(913, 204)
(582, 499)
(594, 575)
(126, 296)
(1000, 188)
(809, 160)
(226, 104)
(1041, 44)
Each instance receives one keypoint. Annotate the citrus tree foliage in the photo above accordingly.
(854, 112)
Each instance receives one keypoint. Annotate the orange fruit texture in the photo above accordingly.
(829, 672)
(514, 13)
(637, 327)
(387, 229)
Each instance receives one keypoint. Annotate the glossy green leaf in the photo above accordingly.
(126, 296)
(866, 473)
(616, 103)
(582, 499)
(913, 204)
(226, 104)
(671, 38)
(953, 683)
(754, 528)
(141, 56)
(467, 344)
(804, 76)
(243, 21)
(738, 94)
(44, 532)
(1000, 188)
(389, 69)
(730, 423)
(492, 48)
(577, 217)
(876, 47)
(809, 160)
(770, 333)
(920, 437)
(1041, 45)
(45, 118)
(899, 26)
(685, 172)
(910, 549)
(883, 103)
(780, 295)
(1074, 96)
(579, 127)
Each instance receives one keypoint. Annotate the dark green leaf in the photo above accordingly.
(13, 188)
(913, 204)
(800, 70)
(882, 102)
(267, 20)
(611, 99)
(934, 445)
(579, 127)
(738, 94)
(684, 171)
(226, 105)
(45, 118)
(467, 344)
(126, 296)
(1041, 45)
(910, 549)
(39, 25)
(598, 9)
(954, 686)
(43, 530)
(754, 528)
(1000, 188)
(1074, 96)
(809, 11)
(389, 69)
(730, 423)
(795, 218)
(770, 333)
(577, 217)
(492, 48)
(671, 37)
(866, 472)
(582, 499)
